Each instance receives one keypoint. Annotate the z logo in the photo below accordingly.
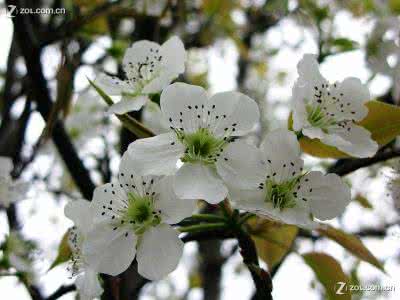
(11, 11)
(340, 288)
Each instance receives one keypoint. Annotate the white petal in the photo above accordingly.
(109, 251)
(108, 199)
(130, 181)
(174, 56)
(156, 155)
(80, 213)
(299, 112)
(153, 118)
(313, 132)
(159, 252)
(112, 85)
(182, 105)
(173, 209)
(309, 74)
(6, 166)
(137, 54)
(253, 201)
(327, 195)
(88, 284)
(231, 113)
(158, 83)
(128, 104)
(351, 95)
(241, 165)
(353, 140)
(281, 154)
(196, 181)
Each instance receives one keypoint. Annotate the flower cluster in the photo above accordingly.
(10, 190)
(203, 156)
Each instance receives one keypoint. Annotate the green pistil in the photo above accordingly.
(140, 213)
(201, 146)
(318, 118)
(281, 195)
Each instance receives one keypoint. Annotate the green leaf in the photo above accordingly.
(273, 240)
(363, 201)
(130, 123)
(329, 273)
(342, 45)
(63, 253)
(352, 244)
(383, 121)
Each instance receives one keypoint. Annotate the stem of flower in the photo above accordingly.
(261, 278)
(208, 218)
(203, 227)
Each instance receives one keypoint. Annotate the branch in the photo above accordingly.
(61, 291)
(31, 54)
(346, 166)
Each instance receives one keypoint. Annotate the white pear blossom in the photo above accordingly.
(131, 218)
(394, 186)
(380, 48)
(149, 68)
(87, 278)
(10, 190)
(19, 253)
(329, 112)
(270, 181)
(86, 117)
(200, 129)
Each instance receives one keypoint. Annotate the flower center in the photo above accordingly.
(140, 213)
(319, 118)
(201, 146)
(281, 195)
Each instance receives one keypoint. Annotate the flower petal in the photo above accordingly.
(109, 251)
(196, 181)
(281, 153)
(112, 85)
(352, 94)
(327, 195)
(309, 75)
(159, 82)
(128, 104)
(140, 52)
(159, 252)
(353, 140)
(156, 155)
(174, 56)
(253, 201)
(241, 165)
(232, 114)
(153, 118)
(172, 208)
(182, 105)
(88, 284)
(80, 213)
(108, 200)
(131, 182)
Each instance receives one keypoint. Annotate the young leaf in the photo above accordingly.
(273, 240)
(130, 123)
(352, 243)
(329, 272)
(63, 253)
(383, 121)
